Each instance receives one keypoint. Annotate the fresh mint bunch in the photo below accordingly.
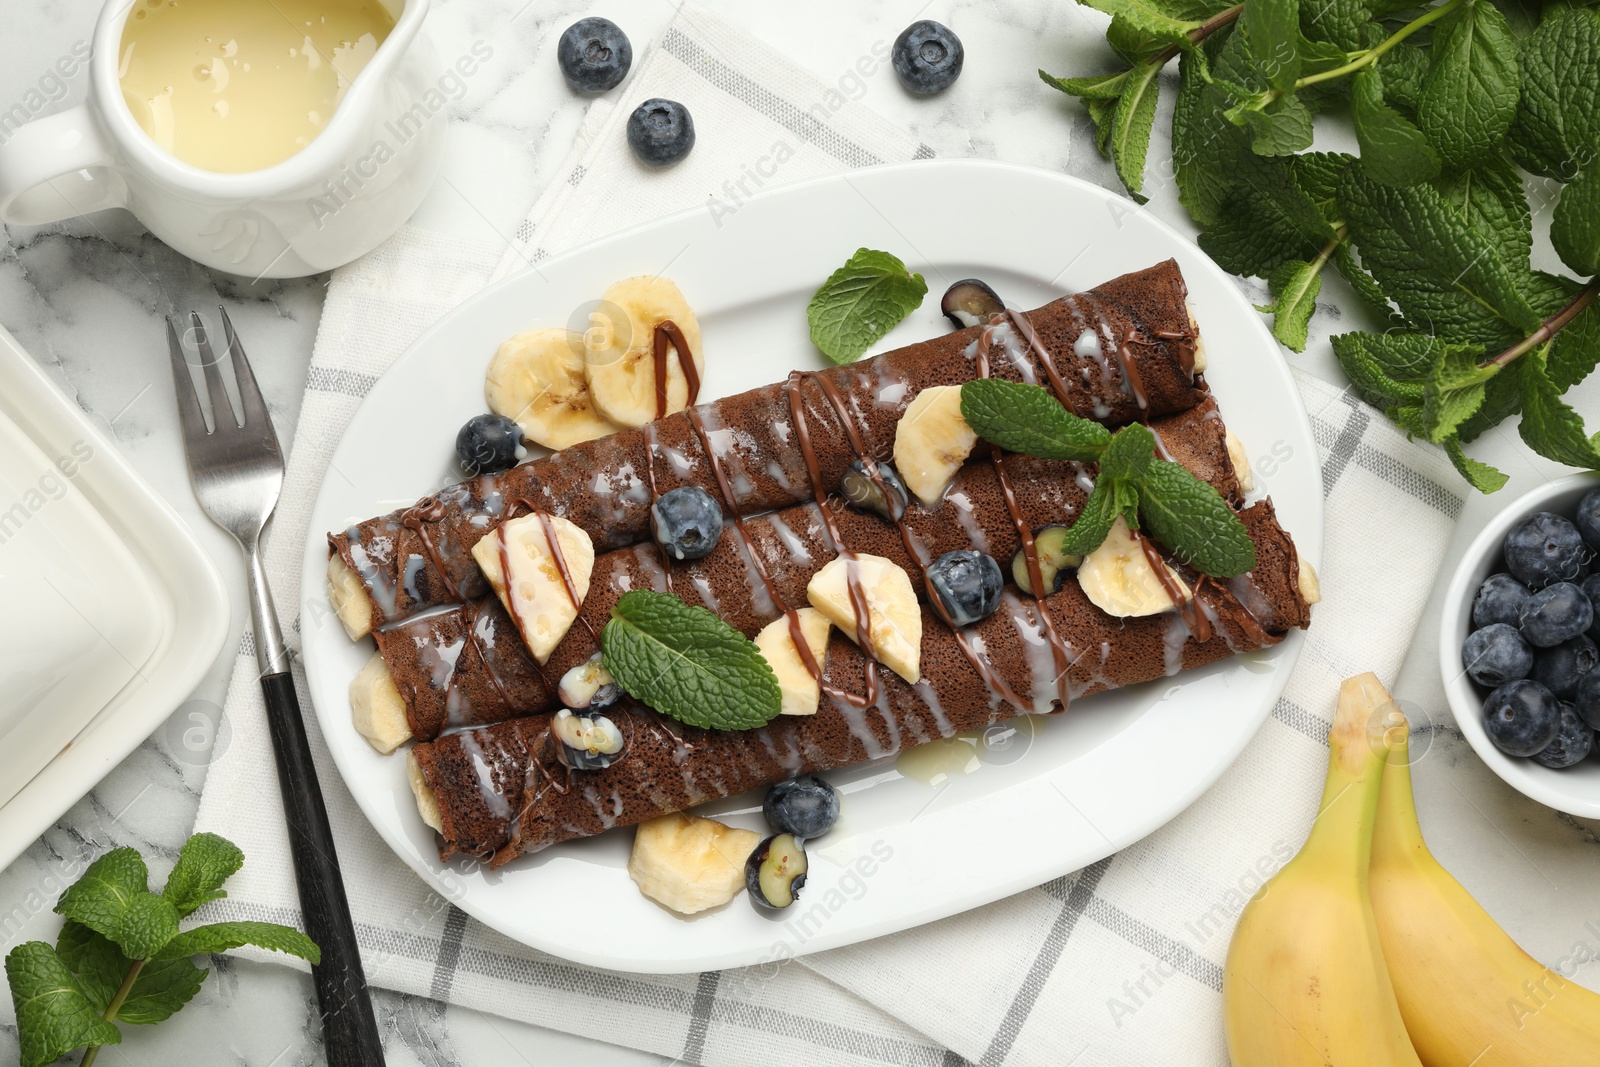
(121, 957)
(861, 302)
(688, 664)
(1180, 511)
(1429, 223)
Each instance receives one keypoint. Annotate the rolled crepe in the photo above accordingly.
(503, 790)
(1121, 351)
(466, 666)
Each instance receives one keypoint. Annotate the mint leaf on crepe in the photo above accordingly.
(1393, 150)
(1028, 419)
(1191, 518)
(1575, 225)
(1549, 426)
(861, 302)
(54, 1013)
(1442, 273)
(1469, 96)
(688, 664)
(1129, 455)
(1557, 128)
(223, 937)
(1088, 531)
(205, 862)
(1480, 475)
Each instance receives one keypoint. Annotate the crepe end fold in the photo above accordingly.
(502, 790)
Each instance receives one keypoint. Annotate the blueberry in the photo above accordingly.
(1587, 700)
(1558, 669)
(859, 489)
(804, 807)
(970, 302)
(1521, 717)
(1545, 548)
(594, 55)
(1572, 744)
(1591, 589)
(927, 57)
(1500, 598)
(688, 522)
(660, 132)
(1555, 614)
(1589, 519)
(489, 444)
(1496, 654)
(775, 872)
(968, 584)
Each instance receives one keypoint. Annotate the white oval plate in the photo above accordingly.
(1039, 804)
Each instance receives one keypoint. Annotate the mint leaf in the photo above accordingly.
(1364, 284)
(1028, 419)
(1103, 113)
(1280, 128)
(163, 986)
(1191, 519)
(1557, 128)
(1549, 426)
(1393, 150)
(1269, 216)
(1148, 18)
(1455, 390)
(221, 937)
(99, 965)
(1096, 87)
(1502, 398)
(1489, 197)
(161, 990)
(1340, 22)
(688, 664)
(113, 898)
(861, 302)
(1294, 286)
(1203, 151)
(1469, 96)
(1386, 368)
(1575, 225)
(1444, 275)
(205, 862)
(1088, 531)
(1479, 475)
(1271, 29)
(1130, 453)
(54, 1014)
(1131, 125)
(1404, 68)
(1576, 350)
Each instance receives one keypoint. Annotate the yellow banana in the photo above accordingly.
(1469, 995)
(1305, 983)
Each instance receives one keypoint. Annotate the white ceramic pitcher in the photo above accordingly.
(335, 200)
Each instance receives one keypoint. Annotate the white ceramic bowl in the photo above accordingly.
(1575, 790)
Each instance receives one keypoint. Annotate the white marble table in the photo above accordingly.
(86, 297)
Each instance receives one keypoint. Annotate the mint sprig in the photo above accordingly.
(688, 664)
(120, 956)
(1430, 223)
(1182, 512)
(861, 302)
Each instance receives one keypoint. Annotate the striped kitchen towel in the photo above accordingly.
(1117, 964)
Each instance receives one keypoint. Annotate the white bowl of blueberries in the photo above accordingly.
(1518, 646)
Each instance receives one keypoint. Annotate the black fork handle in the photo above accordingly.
(349, 1028)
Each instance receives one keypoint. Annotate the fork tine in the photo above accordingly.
(213, 375)
(255, 408)
(189, 413)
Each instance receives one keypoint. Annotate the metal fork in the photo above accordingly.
(237, 472)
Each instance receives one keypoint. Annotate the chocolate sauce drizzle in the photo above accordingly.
(668, 333)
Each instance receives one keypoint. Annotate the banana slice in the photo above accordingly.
(1199, 342)
(801, 690)
(894, 619)
(349, 599)
(688, 863)
(1310, 584)
(376, 708)
(427, 802)
(1120, 581)
(932, 441)
(1240, 460)
(536, 594)
(537, 379)
(619, 356)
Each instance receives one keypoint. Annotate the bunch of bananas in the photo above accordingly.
(1364, 952)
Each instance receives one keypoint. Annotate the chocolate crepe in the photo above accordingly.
(502, 790)
(467, 666)
(1135, 360)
